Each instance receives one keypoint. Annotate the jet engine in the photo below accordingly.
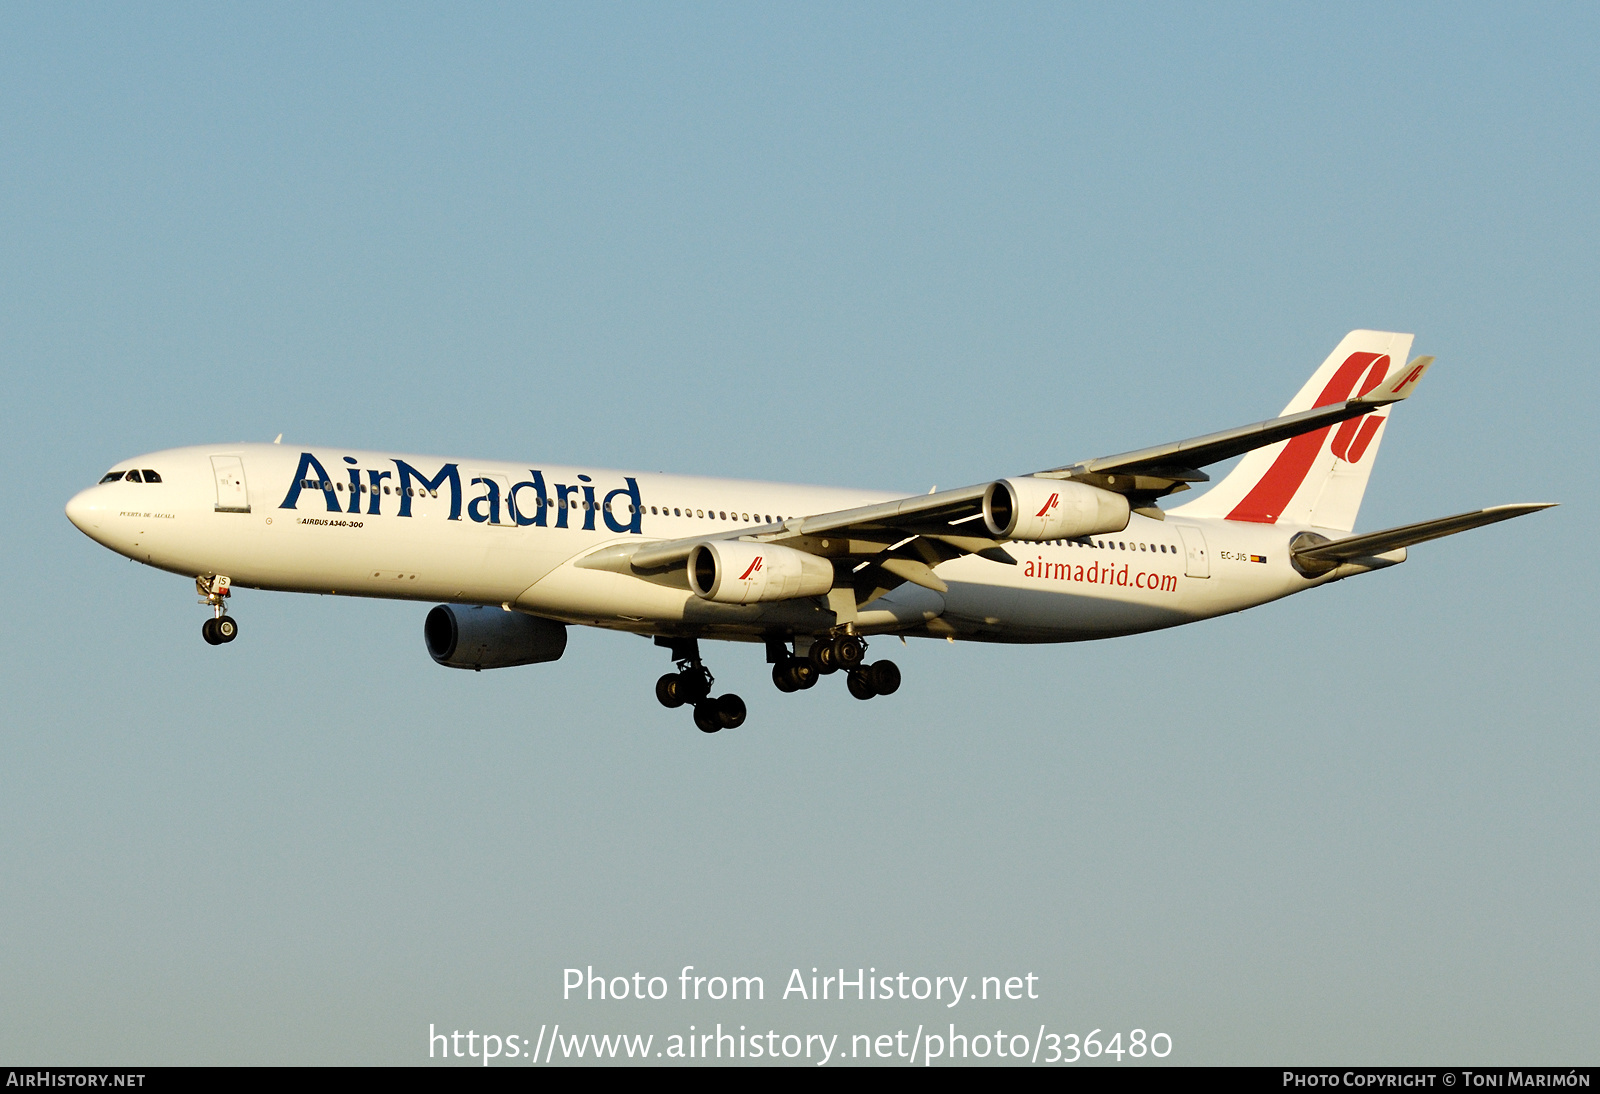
(462, 637)
(1034, 510)
(736, 572)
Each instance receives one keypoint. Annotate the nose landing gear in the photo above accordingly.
(221, 628)
(691, 684)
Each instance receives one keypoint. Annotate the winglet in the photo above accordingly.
(1399, 386)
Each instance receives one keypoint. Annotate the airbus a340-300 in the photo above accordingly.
(518, 551)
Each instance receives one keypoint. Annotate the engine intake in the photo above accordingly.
(1034, 510)
(736, 572)
(461, 637)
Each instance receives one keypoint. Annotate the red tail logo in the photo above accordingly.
(754, 566)
(1055, 499)
(1351, 441)
(1267, 499)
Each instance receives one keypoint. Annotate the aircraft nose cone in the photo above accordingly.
(83, 512)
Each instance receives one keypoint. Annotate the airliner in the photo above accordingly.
(517, 552)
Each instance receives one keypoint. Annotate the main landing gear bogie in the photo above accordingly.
(691, 685)
(845, 653)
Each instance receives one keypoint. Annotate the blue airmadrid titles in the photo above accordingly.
(484, 508)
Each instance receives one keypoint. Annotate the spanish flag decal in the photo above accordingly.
(1258, 558)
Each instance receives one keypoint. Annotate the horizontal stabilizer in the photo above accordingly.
(1376, 543)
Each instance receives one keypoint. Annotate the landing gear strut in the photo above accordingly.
(691, 684)
(221, 627)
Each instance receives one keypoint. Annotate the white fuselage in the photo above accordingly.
(493, 533)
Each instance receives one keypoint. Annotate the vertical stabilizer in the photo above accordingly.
(1317, 478)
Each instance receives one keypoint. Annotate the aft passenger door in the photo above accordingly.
(1195, 561)
(232, 496)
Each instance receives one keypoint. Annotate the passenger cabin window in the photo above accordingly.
(112, 476)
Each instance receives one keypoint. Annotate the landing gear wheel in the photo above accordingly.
(821, 658)
(794, 674)
(805, 674)
(730, 711)
(860, 684)
(848, 651)
(707, 717)
(225, 628)
(208, 631)
(885, 677)
(667, 691)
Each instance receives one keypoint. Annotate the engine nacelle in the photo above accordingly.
(462, 637)
(736, 572)
(1034, 510)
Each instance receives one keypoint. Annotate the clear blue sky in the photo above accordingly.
(866, 245)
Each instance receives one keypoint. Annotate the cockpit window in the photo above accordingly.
(112, 476)
(151, 476)
(133, 476)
